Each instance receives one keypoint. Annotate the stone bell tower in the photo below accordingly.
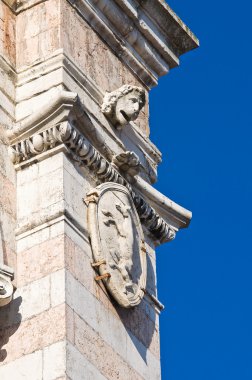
(79, 218)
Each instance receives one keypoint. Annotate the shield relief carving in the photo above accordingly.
(117, 242)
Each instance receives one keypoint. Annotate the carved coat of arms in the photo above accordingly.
(117, 242)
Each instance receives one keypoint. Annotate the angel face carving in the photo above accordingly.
(128, 107)
(123, 105)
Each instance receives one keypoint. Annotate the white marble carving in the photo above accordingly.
(117, 242)
(6, 275)
(88, 156)
(6, 287)
(128, 163)
(123, 105)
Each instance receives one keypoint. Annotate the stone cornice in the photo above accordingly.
(89, 157)
(147, 36)
(32, 138)
(59, 61)
(55, 111)
(60, 103)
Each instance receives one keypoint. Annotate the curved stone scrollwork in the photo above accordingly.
(127, 162)
(40, 142)
(123, 105)
(117, 242)
(92, 159)
(6, 287)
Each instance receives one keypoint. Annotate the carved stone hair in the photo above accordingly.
(111, 98)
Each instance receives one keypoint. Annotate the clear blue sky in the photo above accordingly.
(201, 121)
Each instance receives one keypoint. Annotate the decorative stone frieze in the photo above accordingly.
(88, 156)
(123, 105)
(30, 140)
(117, 243)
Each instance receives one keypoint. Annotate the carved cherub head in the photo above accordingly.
(123, 105)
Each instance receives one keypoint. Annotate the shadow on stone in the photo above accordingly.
(140, 320)
(10, 320)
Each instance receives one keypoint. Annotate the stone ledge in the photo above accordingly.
(148, 36)
(89, 157)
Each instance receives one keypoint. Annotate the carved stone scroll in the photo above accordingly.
(88, 156)
(117, 242)
(128, 163)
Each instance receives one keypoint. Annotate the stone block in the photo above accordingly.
(142, 359)
(78, 262)
(51, 164)
(8, 196)
(38, 33)
(6, 166)
(7, 34)
(110, 327)
(79, 368)
(74, 192)
(33, 334)
(7, 223)
(40, 260)
(30, 106)
(35, 297)
(82, 301)
(70, 328)
(29, 367)
(106, 359)
(7, 79)
(7, 104)
(58, 291)
(32, 238)
(54, 361)
(38, 85)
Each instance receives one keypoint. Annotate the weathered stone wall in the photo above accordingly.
(7, 115)
(57, 61)
(48, 30)
(59, 308)
(7, 208)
